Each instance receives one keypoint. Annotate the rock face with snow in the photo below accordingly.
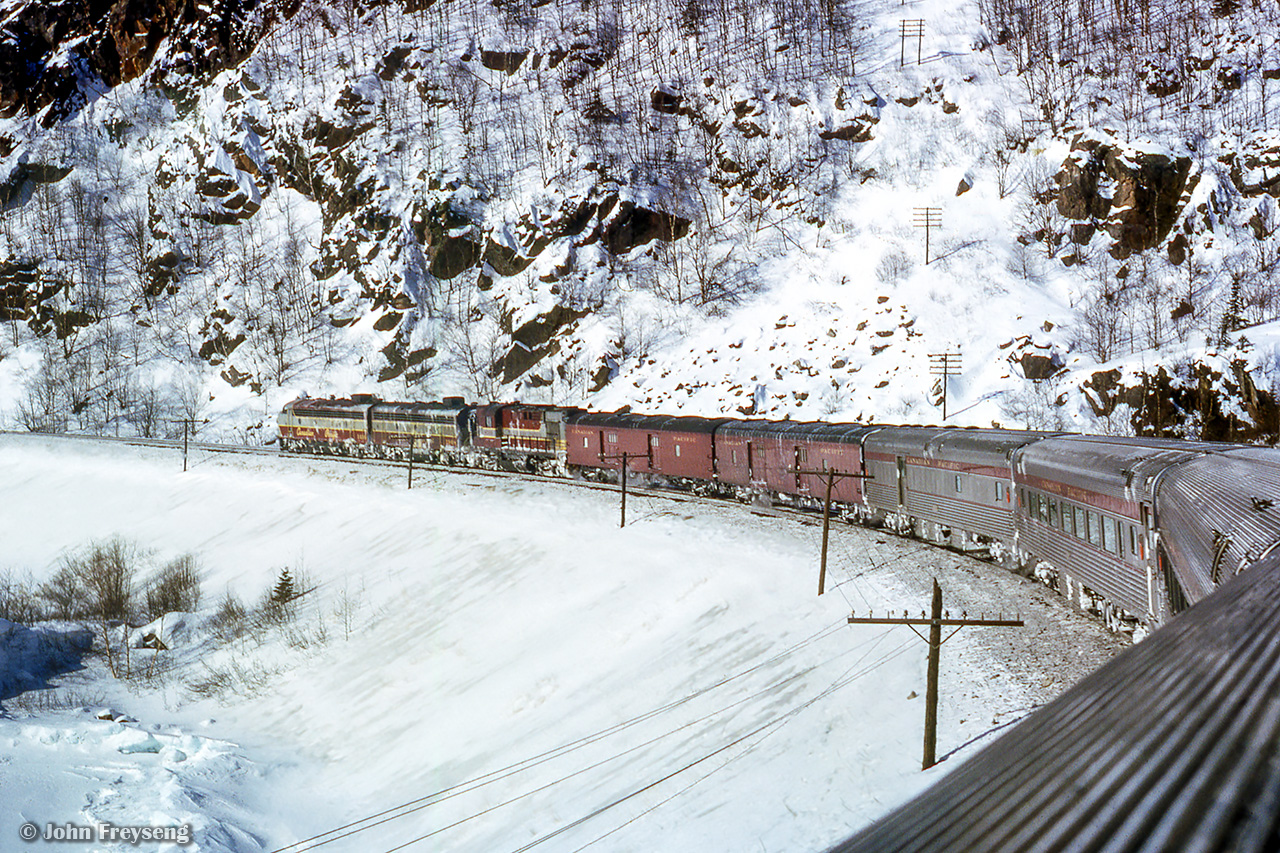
(210, 207)
(1136, 195)
(48, 48)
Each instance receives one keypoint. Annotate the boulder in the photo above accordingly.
(506, 61)
(632, 226)
(535, 340)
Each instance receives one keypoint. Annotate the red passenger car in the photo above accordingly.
(676, 448)
(767, 456)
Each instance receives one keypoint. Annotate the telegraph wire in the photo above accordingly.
(422, 805)
(536, 760)
(775, 724)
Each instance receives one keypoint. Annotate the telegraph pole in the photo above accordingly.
(944, 364)
(935, 641)
(927, 218)
(622, 478)
(411, 438)
(911, 28)
(188, 426)
(830, 475)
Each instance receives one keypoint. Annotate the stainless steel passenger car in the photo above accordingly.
(1085, 504)
(1217, 514)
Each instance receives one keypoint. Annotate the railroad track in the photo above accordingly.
(804, 516)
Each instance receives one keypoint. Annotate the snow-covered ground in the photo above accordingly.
(496, 653)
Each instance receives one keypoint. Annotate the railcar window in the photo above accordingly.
(613, 438)
(1044, 509)
(1053, 513)
(677, 450)
(586, 442)
(958, 486)
(1110, 535)
(1080, 522)
(999, 491)
(1068, 518)
(1133, 539)
(1095, 529)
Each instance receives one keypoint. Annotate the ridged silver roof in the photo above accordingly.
(1172, 745)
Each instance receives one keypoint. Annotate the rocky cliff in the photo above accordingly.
(242, 199)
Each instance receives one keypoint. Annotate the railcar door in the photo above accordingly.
(902, 482)
(751, 462)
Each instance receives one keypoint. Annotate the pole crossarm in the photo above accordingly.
(963, 623)
(936, 620)
(830, 475)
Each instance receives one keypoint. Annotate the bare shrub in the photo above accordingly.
(231, 620)
(235, 678)
(20, 599)
(176, 587)
(1034, 406)
(894, 266)
(36, 702)
(64, 594)
(105, 572)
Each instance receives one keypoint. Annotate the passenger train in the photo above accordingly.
(1136, 529)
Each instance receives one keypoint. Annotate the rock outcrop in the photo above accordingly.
(1134, 196)
(46, 47)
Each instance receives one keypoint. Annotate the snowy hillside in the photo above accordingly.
(497, 647)
(676, 205)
